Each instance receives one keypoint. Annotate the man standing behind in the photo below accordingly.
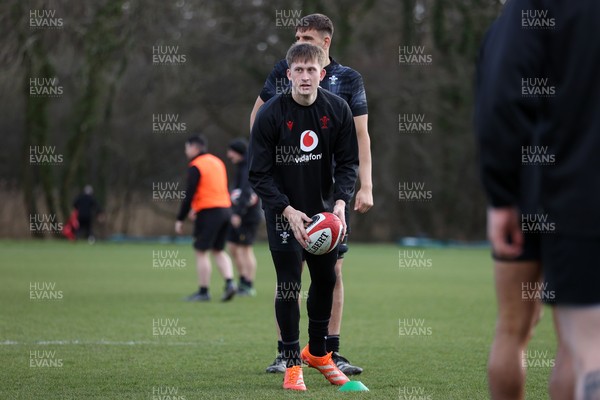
(245, 219)
(345, 82)
(293, 144)
(208, 198)
(87, 208)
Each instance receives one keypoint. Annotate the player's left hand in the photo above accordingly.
(363, 201)
(340, 211)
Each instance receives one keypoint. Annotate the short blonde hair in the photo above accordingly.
(306, 52)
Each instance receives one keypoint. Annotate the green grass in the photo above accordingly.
(101, 330)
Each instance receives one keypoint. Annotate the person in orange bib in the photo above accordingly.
(207, 202)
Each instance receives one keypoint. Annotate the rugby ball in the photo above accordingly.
(325, 233)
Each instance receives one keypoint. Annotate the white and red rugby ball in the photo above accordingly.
(325, 233)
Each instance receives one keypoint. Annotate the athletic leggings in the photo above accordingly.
(288, 265)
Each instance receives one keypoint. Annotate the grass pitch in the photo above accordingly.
(107, 322)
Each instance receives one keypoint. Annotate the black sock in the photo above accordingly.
(288, 266)
(317, 331)
(248, 283)
(228, 282)
(320, 300)
(279, 346)
(203, 290)
(333, 343)
(291, 354)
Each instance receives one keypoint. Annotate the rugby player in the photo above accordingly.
(245, 218)
(314, 126)
(345, 82)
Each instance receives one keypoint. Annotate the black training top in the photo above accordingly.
(340, 80)
(292, 149)
(193, 177)
(538, 98)
(86, 206)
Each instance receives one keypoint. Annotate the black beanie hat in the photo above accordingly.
(239, 146)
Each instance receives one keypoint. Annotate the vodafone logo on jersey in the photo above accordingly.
(308, 141)
(292, 155)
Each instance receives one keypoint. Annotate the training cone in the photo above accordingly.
(354, 386)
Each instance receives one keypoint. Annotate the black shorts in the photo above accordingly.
(343, 247)
(279, 233)
(210, 228)
(245, 234)
(531, 249)
(571, 269)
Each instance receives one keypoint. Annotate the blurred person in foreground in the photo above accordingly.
(538, 97)
(519, 285)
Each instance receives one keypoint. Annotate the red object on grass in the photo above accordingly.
(70, 228)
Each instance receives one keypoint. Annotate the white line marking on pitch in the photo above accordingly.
(100, 342)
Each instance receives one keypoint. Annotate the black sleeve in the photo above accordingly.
(505, 117)
(276, 81)
(193, 178)
(241, 208)
(358, 101)
(261, 159)
(346, 158)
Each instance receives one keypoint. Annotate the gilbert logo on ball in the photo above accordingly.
(325, 233)
(308, 141)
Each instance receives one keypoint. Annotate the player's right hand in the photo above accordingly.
(298, 221)
(340, 211)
